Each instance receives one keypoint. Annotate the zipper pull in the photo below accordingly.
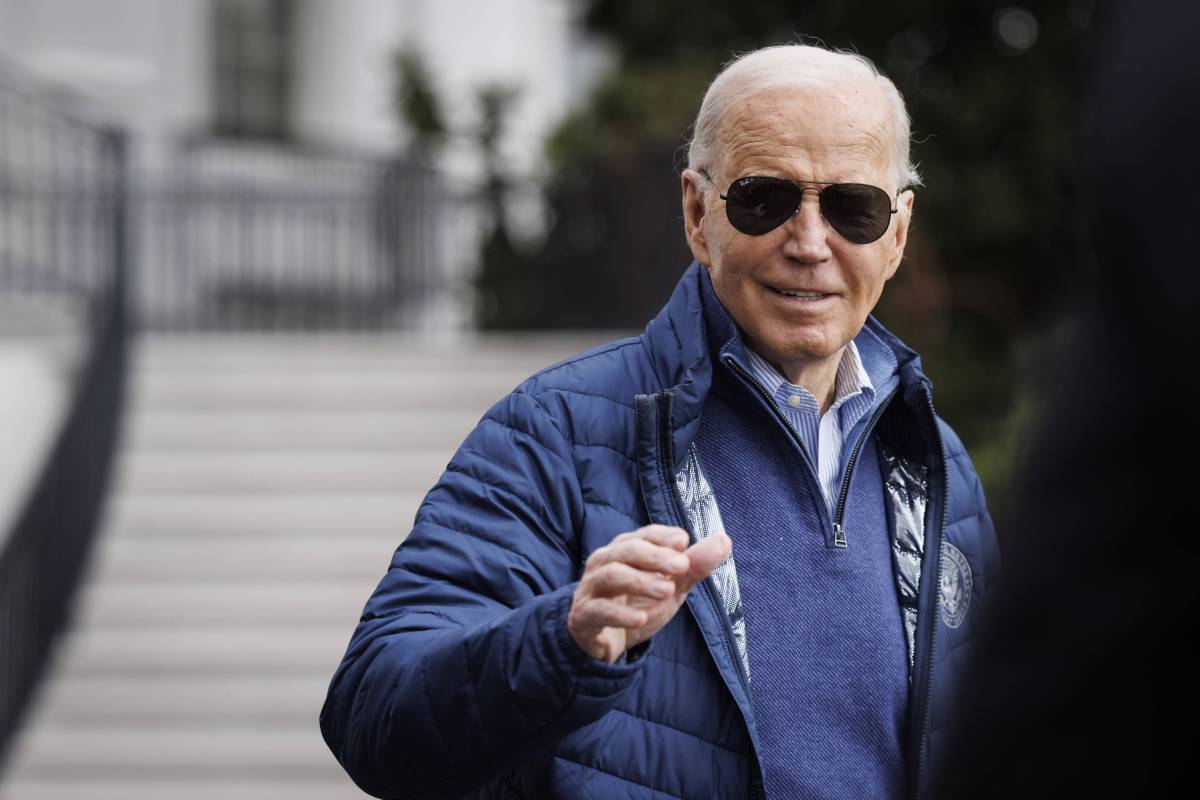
(839, 535)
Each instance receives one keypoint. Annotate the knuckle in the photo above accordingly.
(647, 551)
(607, 576)
(614, 572)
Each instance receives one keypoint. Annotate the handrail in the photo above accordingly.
(260, 236)
(78, 230)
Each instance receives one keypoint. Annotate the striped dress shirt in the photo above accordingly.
(824, 436)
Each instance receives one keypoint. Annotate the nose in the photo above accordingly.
(807, 230)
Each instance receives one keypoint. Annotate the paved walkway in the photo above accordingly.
(262, 486)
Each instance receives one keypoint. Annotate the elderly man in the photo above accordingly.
(765, 454)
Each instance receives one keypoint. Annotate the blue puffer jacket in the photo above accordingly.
(461, 678)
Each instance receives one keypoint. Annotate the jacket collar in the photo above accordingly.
(690, 332)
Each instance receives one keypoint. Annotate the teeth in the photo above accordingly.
(805, 295)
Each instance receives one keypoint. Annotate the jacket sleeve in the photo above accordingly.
(461, 665)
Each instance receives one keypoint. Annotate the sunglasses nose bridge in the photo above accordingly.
(802, 189)
(807, 229)
(799, 201)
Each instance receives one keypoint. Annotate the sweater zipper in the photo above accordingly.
(839, 532)
(936, 554)
(666, 476)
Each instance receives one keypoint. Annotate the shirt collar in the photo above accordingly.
(852, 380)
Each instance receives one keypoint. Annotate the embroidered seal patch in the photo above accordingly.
(954, 593)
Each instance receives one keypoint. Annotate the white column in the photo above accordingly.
(343, 76)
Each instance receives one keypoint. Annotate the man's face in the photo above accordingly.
(842, 136)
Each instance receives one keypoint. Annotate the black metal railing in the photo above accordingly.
(228, 236)
(64, 245)
(259, 236)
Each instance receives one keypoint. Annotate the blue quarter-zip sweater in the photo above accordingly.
(829, 672)
(461, 680)
(825, 634)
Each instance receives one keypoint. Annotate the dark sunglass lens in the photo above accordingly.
(756, 205)
(859, 212)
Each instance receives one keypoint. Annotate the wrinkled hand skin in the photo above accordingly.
(634, 585)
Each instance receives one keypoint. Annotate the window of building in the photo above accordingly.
(253, 42)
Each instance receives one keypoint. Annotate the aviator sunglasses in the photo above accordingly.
(756, 204)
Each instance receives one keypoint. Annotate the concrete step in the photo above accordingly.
(196, 751)
(275, 787)
(161, 601)
(297, 430)
(263, 486)
(234, 560)
(285, 472)
(234, 514)
(203, 701)
(287, 390)
(204, 652)
(519, 353)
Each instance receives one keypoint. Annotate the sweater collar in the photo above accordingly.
(694, 331)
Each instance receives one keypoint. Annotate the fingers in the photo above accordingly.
(675, 538)
(703, 557)
(646, 563)
(633, 586)
(609, 580)
(622, 585)
(655, 548)
(603, 612)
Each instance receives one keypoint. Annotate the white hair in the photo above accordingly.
(796, 66)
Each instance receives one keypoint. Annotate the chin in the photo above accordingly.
(805, 348)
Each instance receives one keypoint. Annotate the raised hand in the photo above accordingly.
(635, 584)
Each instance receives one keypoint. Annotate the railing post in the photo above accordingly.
(118, 142)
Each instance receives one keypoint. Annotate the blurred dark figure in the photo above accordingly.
(1086, 687)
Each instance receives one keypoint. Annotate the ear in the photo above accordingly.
(899, 236)
(693, 215)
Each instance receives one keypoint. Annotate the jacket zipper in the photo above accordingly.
(666, 475)
(922, 753)
(668, 479)
(839, 533)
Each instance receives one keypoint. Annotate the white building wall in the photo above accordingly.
(343, 72)
(144, 62)
(148, 64)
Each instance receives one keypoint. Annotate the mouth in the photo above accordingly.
(800, 294)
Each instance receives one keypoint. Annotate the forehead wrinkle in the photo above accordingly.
(762, 132)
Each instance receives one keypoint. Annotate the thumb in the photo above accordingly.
(703, 558)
